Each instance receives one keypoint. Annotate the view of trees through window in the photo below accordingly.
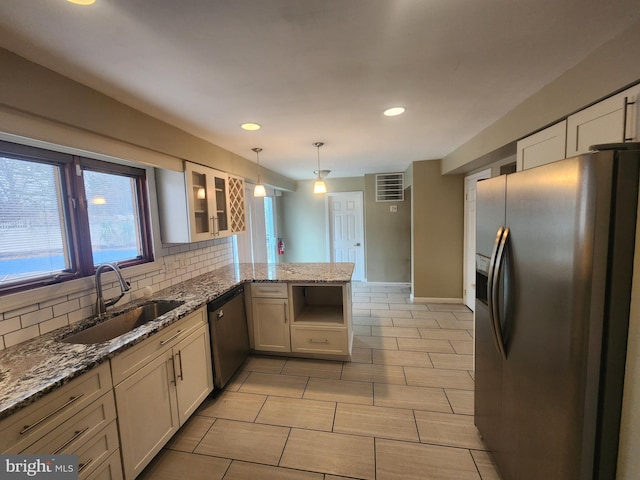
(32, 225)
(49, 233)
(113, 221)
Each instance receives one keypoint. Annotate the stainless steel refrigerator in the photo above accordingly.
(553, 284)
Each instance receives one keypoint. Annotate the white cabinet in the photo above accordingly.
(77, 419)
(321, 319)
(163, 381)
(199, 204)
(307, 320)
(543, 147)
(270, 312)
(612, 120)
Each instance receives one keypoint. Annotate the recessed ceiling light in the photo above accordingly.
(251, 126)
(393, 111)
(82, 2)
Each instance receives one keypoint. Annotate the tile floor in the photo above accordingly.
(402, 409)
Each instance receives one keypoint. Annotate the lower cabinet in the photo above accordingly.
(270, 324)
(312, 319)
(157, 399)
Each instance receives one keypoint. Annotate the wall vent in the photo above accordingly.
(389, 187)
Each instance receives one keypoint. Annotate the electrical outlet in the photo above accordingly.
(393, 208)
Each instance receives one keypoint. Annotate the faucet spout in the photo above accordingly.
(101, 303)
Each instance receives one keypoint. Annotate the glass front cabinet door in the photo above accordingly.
(208, 202)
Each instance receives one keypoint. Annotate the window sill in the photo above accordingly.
(81, 285)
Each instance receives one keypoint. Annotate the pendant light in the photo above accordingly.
(259, 190)
(319, 187)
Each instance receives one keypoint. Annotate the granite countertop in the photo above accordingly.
(36, 367)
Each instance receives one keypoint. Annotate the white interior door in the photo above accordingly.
(470, 236)
(346, 230)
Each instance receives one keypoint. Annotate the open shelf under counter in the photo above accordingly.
(317, 304)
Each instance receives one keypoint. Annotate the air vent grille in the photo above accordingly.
(389, 187)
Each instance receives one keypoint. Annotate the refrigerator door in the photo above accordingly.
(552, 213)
(490, 218)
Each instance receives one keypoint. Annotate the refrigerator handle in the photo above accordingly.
(490, 281)
(495, 292)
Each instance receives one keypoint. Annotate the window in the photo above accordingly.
(61, 215)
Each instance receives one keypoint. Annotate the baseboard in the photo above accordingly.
(435, 300)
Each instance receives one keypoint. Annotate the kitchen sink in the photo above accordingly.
(122, 323)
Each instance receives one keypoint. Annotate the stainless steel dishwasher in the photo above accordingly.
(229, 335)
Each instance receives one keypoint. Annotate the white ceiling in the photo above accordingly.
(317, 70)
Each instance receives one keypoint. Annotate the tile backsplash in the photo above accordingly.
(176, 263)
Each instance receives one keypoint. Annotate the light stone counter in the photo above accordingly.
(34, 368)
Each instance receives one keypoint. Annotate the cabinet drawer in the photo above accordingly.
(269, 289)
(97, 450)
(133, 359)
(25, 427)
(331, 340)
(71, 436)
(111, 469)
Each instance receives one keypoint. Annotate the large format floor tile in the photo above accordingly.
(411, 397)
(407, 461)
(401, 409)
(271, 384)
(171, 465)
(379, 422)
(244, 441)
(299, 413)
(333, 453)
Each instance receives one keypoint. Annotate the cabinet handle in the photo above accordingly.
(26, 428)
(285, 312)
(173, 369)
(164, 342)
(179, 355)
(77, 433)
(624, 120)
(84, 465)
(311, 340)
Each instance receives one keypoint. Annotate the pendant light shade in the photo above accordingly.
(319, 186)
(259, 190)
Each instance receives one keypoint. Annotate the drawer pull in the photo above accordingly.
(164, 342)
(312, 340)
(27, 428)
(78, 433)
(84, 465)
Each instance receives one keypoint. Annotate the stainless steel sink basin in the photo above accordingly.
(123, 323)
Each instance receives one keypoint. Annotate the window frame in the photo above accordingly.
(74, 203)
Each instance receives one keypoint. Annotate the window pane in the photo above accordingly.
(113, 217)
(33, 241)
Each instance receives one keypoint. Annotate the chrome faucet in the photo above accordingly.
(101, 304)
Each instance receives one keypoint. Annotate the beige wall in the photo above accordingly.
(303, 222)
(610, 68)
(388, 236)
(438, 231)
(38, 103)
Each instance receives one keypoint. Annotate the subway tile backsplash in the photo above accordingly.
(177, 264)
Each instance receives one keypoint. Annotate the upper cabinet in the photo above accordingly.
(546, 146)
(199, 204)
(613, 120)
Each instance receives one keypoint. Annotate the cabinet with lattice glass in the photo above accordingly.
(199, 204)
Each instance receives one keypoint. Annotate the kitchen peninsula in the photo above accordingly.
(36, 367)
(48, 385)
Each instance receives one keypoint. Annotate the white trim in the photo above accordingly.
(484, 174)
